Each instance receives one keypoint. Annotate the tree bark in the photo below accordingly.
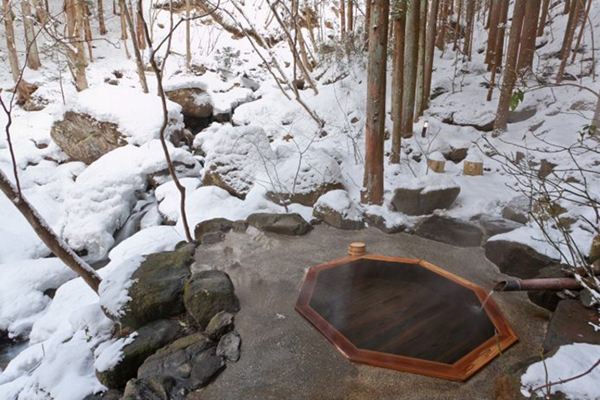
(440, 42)
(543, 17)
(136, 49)
(78, 63)
(596, 118)
(532, 12)
(421, 62)
(457, 26)
(510, 69)
(33, 57)
(581, 30)
(368, 9)
(188, 46)
(430, 48)
(496, 59)
(342, 19)
(470, 21)
(101, 23)
(9, 31)
(83, 13)
(411, 53)
(399, 26)
(568, 39)
(495, 12)
(375, 124)
(350, 10)
(45, 233)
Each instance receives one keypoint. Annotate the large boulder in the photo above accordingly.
(233, 156)
(91, 127)
(336, 209)
(495, 225)
(423, 196)
(282, 224)
(195, 102)
(191, 361)
(152, 388)
(157, 291)
(516, 259)
(571, 323)
(229, 346)
(149, 339)
(85, 139)
(208, 293)
(213, 230)
(450, 231)
(303, 178)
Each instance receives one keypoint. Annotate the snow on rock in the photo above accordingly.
(436, 156)
(533, 238)
(104, 194)
(150, 240)
(234, 156)
(114, 288)
(138, 115)
(302, 177)
(569, 361)
(169, 198)
(340, 202)
(22, 287)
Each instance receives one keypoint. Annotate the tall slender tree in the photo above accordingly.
(9, 30)
(430, 48)
(510, 68)
(33, 57)
(411, 53)
(375, 124)
(398, 78)
(568, 38)
(532, 12)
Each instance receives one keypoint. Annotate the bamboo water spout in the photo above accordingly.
(538, 284)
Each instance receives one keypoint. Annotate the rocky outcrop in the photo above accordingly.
(570, 323)
(516, 259)
(423, 198)
(337, 209)
(208, 293)
(149, 339)
(194, 101)
(282, 224)
(450, 231)
(157, 291)
(84, 138)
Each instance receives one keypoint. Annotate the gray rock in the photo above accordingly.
(547, 299)
(451, 231)
(586, 299)
(517, 210)
(219, 325)
(423, 200)
(570, 324)
(194, 102)
(84, 138)
(149, 339)
(516, 259)
(229, 346)
(191, 361)
(207, 293)
(282, 224)
(306, 198)
(157, 291)
(379, 222)
(456, 155)
(153, 388)
(521, 115)
(334, 218)
(216, 227)
(494, 225)
(205, 367)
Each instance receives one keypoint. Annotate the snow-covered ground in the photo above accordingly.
(86, 205)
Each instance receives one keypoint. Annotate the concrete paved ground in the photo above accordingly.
(284, 357)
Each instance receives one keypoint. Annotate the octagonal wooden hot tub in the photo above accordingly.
(404, 314)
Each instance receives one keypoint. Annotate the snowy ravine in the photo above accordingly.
(278, 147)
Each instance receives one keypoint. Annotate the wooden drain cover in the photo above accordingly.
(404, 314)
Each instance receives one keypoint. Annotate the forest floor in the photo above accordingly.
(283, 356)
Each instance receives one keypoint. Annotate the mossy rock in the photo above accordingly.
(157, 291)
(207, 293)
(149, 339)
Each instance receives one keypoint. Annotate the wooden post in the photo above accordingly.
(436, 162)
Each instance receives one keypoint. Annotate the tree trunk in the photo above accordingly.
(457, 26)
(139, 24)
(188, 45)
(78, 61)
(568, 40)
(136, 50)
(70, 11)
(543, 17)
(421, 63)
(9, 30)
(343, 19)
(532, 12)
(596, 118)
(431, 30)
(45, 233)
(510, 69)
(41, 13)
(441, 37)
(350, 26)
(103, 30)
(495, 12)
(123, 26)
(467, 48)
(368, 9)
(411, 53)
(33, 57)
(87, 29)
(375, 114)
(567, 7)
(581, 30)
(398, 79)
